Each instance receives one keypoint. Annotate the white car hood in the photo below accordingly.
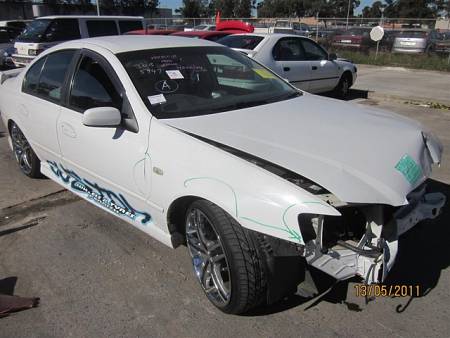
(350, 150)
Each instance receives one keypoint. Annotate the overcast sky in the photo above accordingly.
(174, 4)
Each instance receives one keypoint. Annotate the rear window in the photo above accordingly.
(129, 25)
(241, 41)
(412, 34)
(101, 28)
(356, 32)
(53, 74)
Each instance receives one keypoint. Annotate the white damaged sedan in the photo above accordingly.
(197, 144)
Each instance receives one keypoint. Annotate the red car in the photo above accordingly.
(152, 32)
(207, 35)
(354, 38)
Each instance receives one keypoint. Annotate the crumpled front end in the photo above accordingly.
(364, 240)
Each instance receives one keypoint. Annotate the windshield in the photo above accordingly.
(34, 31)
(190, 81)
(241, 41)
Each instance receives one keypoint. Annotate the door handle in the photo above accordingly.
(314, 67)
(286, 69)
(68, 130)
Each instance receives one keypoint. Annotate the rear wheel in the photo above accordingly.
(28, 162)
(225, 258)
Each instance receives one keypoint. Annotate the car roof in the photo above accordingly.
(152, 32)
(127, 43)
(89, 17)
(273, 35)
(200, 33)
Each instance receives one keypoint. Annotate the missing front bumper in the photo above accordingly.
(374, 255)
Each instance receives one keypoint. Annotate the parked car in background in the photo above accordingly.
(300, 60)
(6, 57)
(358, 39)
(354, 38)
(9, 30)
(414, 41)
(48, 31)
(440, 44)
(288, 27)
(204, 34)
(194, 143)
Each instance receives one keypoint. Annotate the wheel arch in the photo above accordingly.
(175, 217)
(347, 73)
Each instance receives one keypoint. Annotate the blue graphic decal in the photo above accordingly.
(116, 203)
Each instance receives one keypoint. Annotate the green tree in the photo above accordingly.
(191, 8)
(232, 8)
(299, 8)
(374, 11)
(410, 9)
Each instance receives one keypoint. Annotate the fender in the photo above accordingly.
(254, 197)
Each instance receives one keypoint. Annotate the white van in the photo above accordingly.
(45, 32)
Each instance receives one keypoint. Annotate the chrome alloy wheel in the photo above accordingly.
(208, 257)
(22, 149)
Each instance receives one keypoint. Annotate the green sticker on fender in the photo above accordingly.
(409, 168)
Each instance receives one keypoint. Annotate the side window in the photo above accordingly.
(129, 25)
(288, 49)
(92, 87)
(313, 51)
(63, 30)
(31, 80)
(52, 75)
(101, 28)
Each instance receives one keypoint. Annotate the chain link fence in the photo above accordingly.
(409, 42)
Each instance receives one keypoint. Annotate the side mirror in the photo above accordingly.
(102, 117)
(332, 56)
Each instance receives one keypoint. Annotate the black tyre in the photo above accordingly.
(343, 88)
(225, 257)
(28, 162)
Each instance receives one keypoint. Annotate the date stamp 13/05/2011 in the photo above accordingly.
(377, 290)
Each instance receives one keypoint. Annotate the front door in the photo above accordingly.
(289, 62)
(106, 165)
(324, 73)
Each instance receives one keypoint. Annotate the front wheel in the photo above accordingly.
(28, 162)
(343, 88)
(225, 258)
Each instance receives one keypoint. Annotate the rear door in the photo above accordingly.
(40, 106)
(106, 165)
(324, 73)
(290, 62)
